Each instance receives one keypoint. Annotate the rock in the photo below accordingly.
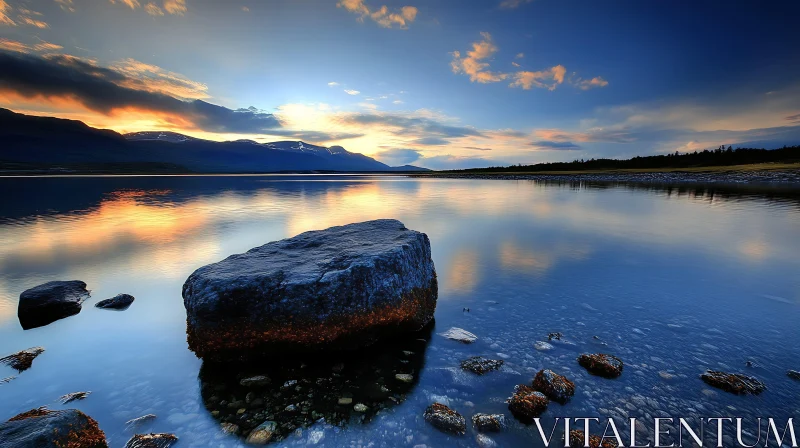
(607, 366)
(262, 434)
(255, 381)
(230, 428)
(556, 336)
(554, 386)
(527, 404)
(793, 374)
(139, 421)
(22, 361)
(460, 335)
(485, 441)
(161, 440)
(73, 396)
(543, 346)
(360, 407)
(736, 383)
(118, 302)
(43, 428)
(47, 303)
(7, 379)
(339, 288)
(488, 422)
(445, 419)
(345, 401)
(404, 377)
(577, 439)
(481, 365)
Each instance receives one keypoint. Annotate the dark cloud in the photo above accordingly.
(422, 126)
(547, 145)
(475, 148)
(103, 90)
(314, 136)
(398, 156)
(431, 141)
(795, 118)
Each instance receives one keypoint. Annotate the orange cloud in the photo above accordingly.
(5, 10)
(153, 9)
(548, 79)
(176, 7)
(382, 16)
(472, 64)
(157, 79)
(133, 4)
(66, 5)
(12, 45)
(597, 81)
(33, 22)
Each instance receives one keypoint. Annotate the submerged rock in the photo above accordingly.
(488, 422)
(793, 374)
(161, 440)
(139, 421)
(255, 381)
(118, 302)
(445, 419)
(557, 387)
(543, 346)
(607, 366)
(340, 288)
(49, 302)
(43, 428)
(22, 360)
(527, 404)
(460, 335)
(73, 396)
(481, 365)
(736, 383)
(577, 439)
(263, 433)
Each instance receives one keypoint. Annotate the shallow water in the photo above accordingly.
(672, 280)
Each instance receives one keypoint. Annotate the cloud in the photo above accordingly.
(397, 102)
(545, 145)
(515, 64)
(403, 124)
(351, 92)
(382, 16)
(176, 7)
(153, 9)
(245, 9)
(333, 84)
(27, 17)
(108, 91)
(475, 148)
(547, 79)
(133, 4)
(66, 5)
(586, 84)
(795, 118)
(43, 46)
(160, 80)
(520, 55)
(369, 106)
(5, 10)
(512, 4)
(398, 156)
(431, 141)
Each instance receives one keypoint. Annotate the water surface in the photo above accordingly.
(674, 280)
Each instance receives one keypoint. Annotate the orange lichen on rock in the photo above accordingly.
(69, 428)
(577, 439)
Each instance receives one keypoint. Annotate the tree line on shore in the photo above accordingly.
(717, 157)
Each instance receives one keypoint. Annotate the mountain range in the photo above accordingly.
(35, 144)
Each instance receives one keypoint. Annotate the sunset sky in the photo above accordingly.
(435, 83)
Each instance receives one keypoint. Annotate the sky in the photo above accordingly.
(436, 83)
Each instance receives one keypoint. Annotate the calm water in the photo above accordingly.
(672, 281)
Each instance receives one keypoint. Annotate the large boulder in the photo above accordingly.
(736, 383)
(445, 419)
(43, 428)
(340, 288)
(557, 387)
(47, 303)
(526, 404)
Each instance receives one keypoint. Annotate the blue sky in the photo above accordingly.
(442, 84)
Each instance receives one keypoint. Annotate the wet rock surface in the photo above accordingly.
(556, 387)
(445, 419)
(577, 439)
(527, 404)
(156, 440)
(735, 383)
(793, 374)
(43, 428)
(49, 302)
(600, 364)
(460, 335)
(341, 388)
(119, 302)
(138, 422)
(22, 360)
(341, 288)
(73, 396)
(488, 422)
(480, 365)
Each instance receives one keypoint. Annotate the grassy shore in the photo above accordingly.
(701, 169)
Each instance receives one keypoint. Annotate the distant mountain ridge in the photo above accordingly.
(55, 144)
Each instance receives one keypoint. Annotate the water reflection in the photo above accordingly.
(339, 389)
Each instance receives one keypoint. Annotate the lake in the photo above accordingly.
(672, 279)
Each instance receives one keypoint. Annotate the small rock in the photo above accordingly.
(291, 408)
(118, 302)
(360, 407)
(556, 336)
(45, 428)
(607, 366)
(230, 428)
(404, 377)
(49, 302)
(543, 346)
(527, 404)
(735, 383)
(73, 396)
(485, 441)
(263, 433)
(481, 365)
(793, 374)
(459, 334)
(556, 387)
(445, 419)
(577, 439)
(289, 384)
(151, 441)
(488, 422)
(22, 361)
(139, 421)
(255, 381)
(7, 379)
(345, 401)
